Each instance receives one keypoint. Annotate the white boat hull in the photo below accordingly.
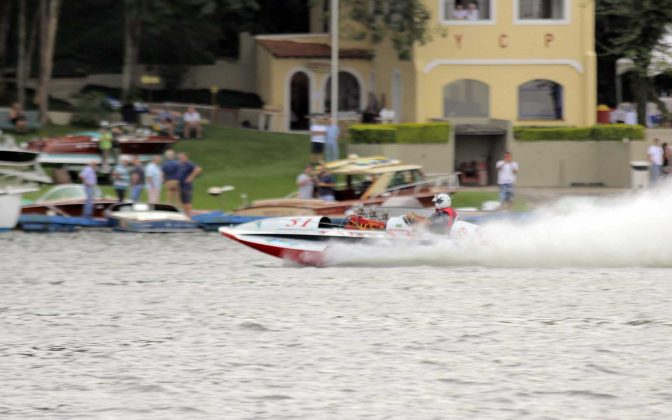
(10, 205)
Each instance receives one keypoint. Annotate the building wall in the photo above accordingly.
(504, 53)
(563, 163)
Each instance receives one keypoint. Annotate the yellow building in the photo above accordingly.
(525, 61)
(490, 64)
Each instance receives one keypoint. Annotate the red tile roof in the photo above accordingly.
(292, 49)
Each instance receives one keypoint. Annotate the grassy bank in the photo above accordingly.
(258, 164)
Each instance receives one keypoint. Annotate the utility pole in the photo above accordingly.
(334, 64)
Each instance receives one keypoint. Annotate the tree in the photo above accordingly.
(634, 29)
(50, 10)
(405, 22)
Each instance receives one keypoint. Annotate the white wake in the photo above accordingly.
(634, 229)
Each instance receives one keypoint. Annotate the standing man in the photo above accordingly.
(105, 146)
(121, 179)
(305, 183)
(318, 136)
(325, 185)
(154, 178)
(187, 173)
(90, 180)
(506, 178)
(655, 153)
(137, 179)
(171, 170)
(333, 131)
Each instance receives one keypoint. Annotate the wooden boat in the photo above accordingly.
(360, 182)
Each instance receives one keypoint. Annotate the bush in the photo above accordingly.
(597, 132)
(372, 133)
(405, 133)
(90, 109)
(618, 132)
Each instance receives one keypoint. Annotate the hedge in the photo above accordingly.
(405, 133)
(615, 132)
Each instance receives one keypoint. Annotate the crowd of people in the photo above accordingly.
(659, 158)
(471, 12)
(166, 123)
(176, 173)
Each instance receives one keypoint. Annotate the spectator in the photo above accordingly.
(187, 173)
(105, 146)
(655, 153)
(192, 123)
(318, 136)
(305, 183)
(121, 179)
(506, 178)
(472, 12)
(666, 158)
(171, 173)
(90, 180)
(333, 131)
(137, 179)
(459, 13)
(18, 118)
(116, 132)
(154, 178)
(325, 184)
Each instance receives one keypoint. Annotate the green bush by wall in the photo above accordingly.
(615, 132)
(404, 133)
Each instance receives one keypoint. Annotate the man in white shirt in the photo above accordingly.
(655, 153)
(318, 136)
(473, 13)
(459, 13)
(192, 123)
(506, 178)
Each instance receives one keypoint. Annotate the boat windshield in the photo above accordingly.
(67, 192)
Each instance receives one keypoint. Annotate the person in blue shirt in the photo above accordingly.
(171, 169)
(121, 179)
(187, 173)
(90, 180)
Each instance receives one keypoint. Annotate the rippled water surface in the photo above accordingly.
(105, 325)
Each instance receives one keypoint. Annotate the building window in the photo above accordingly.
(349, 93)
(467, 11)
(542, 10)
(540, 100)
(466, 98)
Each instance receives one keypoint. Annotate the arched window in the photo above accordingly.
(466, 98)
(348, 93)
(540, 99)
(299, 101)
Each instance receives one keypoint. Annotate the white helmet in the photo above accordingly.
(442, 201)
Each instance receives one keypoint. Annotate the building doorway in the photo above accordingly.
(299, 101)
(478, 147)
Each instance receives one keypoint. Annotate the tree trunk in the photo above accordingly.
(641, 90)
(130, 48)
(32, 43)
(47, 58)
(21, 55)
(5, 11)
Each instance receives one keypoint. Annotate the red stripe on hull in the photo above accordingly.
(315, 258)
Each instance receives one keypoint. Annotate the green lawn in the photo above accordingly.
(259, 164)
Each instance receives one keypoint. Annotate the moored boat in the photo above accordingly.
(149, 218)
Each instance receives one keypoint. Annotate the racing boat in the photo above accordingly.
(306, 240)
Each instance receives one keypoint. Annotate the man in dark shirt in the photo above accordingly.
(186, 175)
(325, 185)
(137, 179)
(171, 169)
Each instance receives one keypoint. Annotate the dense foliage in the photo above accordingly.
(616, 132)
(405, 133)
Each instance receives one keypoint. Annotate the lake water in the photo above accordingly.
(107, 325)
(564, 315)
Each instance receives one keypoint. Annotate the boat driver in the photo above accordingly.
(443, 218)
